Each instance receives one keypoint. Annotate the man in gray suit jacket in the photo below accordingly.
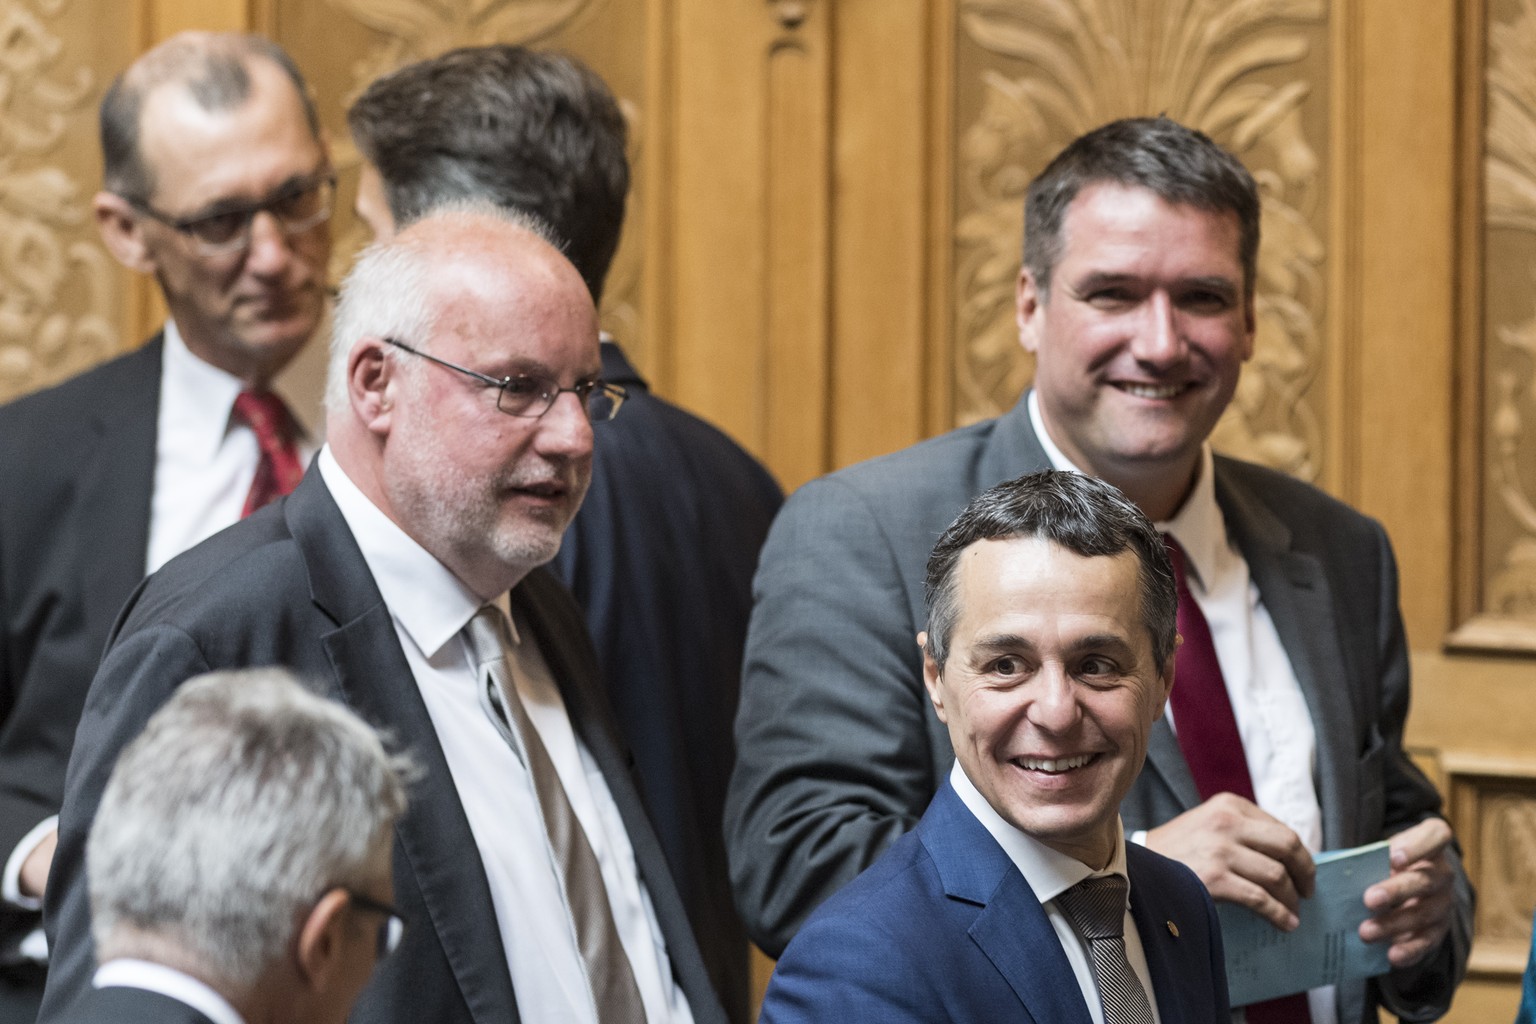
(402, 577)
(1136, 298)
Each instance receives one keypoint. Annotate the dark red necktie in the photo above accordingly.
(277, 468)
(1208, 736)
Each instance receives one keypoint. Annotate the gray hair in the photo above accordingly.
(1180, 165)
(244, 800)
(1080, 513)
(388, 293)
(215, 69)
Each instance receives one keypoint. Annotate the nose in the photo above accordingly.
(565, 429)
(269, 251)
(1158, 340)
(1053, 707)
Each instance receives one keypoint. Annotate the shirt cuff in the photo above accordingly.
(10, 881)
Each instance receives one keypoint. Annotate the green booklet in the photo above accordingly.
(1263, 962)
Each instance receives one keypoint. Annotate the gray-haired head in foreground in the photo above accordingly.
(388, 292)
(1180, 165)
(1080, 513)
(244, 800)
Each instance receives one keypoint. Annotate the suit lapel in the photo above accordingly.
(1159, 926)
(117, 482)
(1011, 928)
(1296, 592)
(372, 675)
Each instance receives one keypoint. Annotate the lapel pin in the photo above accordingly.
(1173, 929)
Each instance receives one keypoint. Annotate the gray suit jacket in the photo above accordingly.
(838, 752)
(289, 586)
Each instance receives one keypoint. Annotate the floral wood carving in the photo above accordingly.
(1510, 346)
(1055, 69)
(1506, 884)
(415, 29)
(56, 287)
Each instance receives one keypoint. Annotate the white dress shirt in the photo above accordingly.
(1049, 874)
(205, 459)
(430, 608)
(1279, 740)
(153, 977)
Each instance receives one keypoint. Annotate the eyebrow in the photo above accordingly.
(237, 204)
(1098, 279)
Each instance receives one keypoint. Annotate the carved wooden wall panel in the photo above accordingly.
(377, 36)
(1253, 74)
(1492, 804)
(61, 297)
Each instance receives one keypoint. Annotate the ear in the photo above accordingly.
(1250, 326)
(122, 231)
(372, 382)
(933, 679)
(1028, 302)
(1165, 681)
(320, 943)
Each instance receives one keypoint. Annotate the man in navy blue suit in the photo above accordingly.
(661, 556)
(1048, 655)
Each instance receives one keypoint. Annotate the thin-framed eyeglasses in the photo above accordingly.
(226, 229)
(533, 394)
(391, 929)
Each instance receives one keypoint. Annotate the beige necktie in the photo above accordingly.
(615, 995)
(1096, 908)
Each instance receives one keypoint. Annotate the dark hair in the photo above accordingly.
(1083, 514)
(214, 68)
(1181, 165)
(536, 132)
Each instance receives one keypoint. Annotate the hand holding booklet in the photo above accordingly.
(1264, 962)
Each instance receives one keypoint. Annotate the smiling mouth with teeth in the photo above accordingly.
(1157, 391)
(1054, 765)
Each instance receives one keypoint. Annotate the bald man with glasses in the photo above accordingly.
(218, 183)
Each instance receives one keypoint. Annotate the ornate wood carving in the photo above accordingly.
(1033, 76)
(1505, 616)
(791, 13)
(57, 286)
(1492, 806)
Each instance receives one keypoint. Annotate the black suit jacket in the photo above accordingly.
(118, 1004)
(839, 750)
(77, 465)
(289, 586)
(661, 559)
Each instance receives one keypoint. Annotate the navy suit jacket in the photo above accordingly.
(944, 927)
(289, 586)
(661, 558)
(77, 465)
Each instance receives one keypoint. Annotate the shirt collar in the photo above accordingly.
(169, 982)
(431, 604)
(201, 397)
(1198, 525)
(1048, 872)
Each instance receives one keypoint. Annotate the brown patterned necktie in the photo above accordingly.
(1096, 909)
(615, 994)
(278, 468)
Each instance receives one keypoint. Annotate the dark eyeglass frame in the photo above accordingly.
(540, 401)
(325, 182)
(391, 930)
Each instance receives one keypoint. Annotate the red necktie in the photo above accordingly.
(1208, 736)
(278, 468)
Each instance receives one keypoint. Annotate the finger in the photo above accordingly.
(1424, 879)
(1280, 844)
(1262, 884)
(1429, 838)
